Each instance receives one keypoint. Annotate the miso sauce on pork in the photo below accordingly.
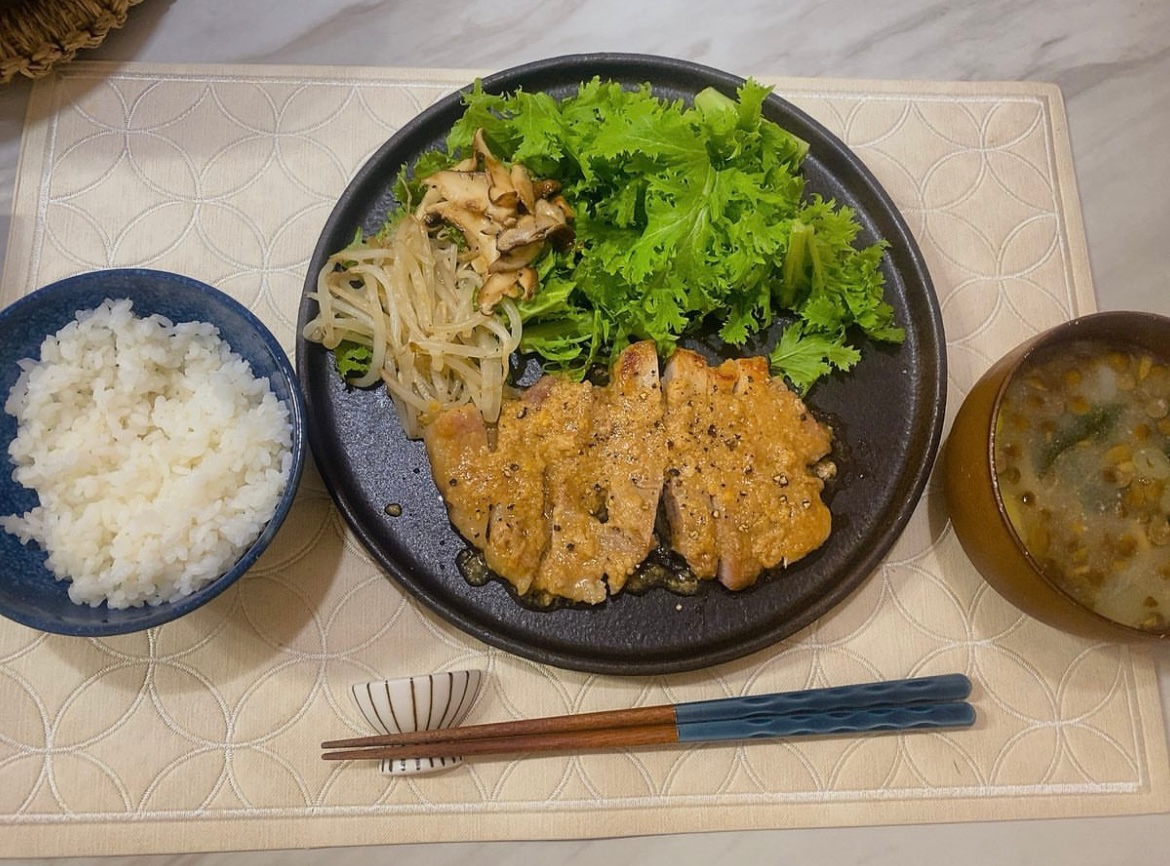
(741, 495)
(562, 495)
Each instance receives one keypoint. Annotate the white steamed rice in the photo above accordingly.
(157, 456)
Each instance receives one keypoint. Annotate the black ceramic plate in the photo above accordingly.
(888, 412)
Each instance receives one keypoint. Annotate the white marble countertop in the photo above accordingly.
(1112, 62)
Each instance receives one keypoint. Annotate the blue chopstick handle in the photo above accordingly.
(953, 714)
(937, 689)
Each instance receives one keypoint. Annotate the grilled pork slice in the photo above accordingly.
(457, 447)
(632, 451)
(741, 494)
(548, 425)
(690, 507)
(603, 499)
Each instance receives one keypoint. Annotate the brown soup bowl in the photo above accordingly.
(973, 495)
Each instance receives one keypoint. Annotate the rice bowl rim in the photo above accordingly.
(188, 299)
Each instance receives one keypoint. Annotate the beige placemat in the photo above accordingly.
(202, 734)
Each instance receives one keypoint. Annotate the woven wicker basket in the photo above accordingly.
(35, 35)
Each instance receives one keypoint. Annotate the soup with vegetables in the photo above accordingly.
(1082, 459)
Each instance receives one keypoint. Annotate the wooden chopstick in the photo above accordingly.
(723, 718)
(601, 720)
(548, 741)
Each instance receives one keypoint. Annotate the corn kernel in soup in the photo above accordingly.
(1082, 459)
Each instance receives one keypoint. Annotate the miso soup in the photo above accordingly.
(1082, 459)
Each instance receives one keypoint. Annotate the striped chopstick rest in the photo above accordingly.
(428, 702)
